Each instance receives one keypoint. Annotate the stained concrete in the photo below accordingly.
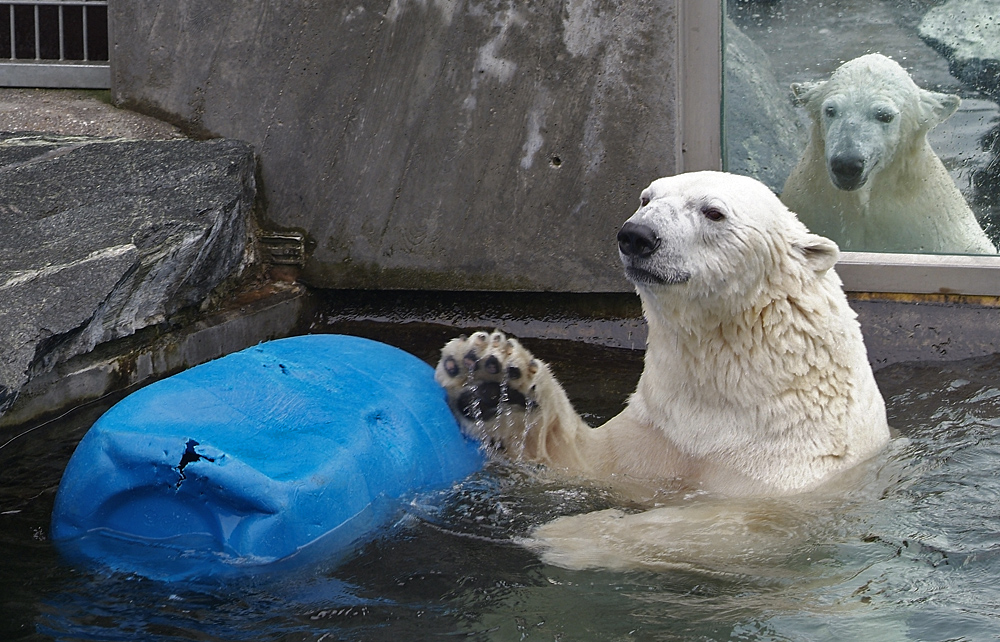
(425, 144)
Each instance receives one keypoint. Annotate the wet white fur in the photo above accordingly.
(756, 380)
(909, 202)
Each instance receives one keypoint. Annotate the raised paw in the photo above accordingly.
(501, 394)
(485, 371)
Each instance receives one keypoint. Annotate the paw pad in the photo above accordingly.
(485, 372)
(451, 366)
(483, 402)
(491, 364)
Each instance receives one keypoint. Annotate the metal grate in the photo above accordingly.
(283, 248)
(54, 43)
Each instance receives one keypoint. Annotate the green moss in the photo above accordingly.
(100, 95)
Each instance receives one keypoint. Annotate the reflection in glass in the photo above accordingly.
(852, 156)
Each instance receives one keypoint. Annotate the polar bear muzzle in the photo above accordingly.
(637, 244)
(848, 170)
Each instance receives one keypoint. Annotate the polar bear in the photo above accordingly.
(756, 379)
(868, 178)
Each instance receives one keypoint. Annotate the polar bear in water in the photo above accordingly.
(868, 178)
(756, 380)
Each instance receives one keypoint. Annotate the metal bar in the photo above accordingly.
(66, 75)
(38, 36)
(13, 39)
(68, 3)
(86, 37)
(62, 36)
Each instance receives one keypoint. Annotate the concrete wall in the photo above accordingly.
(438, 144)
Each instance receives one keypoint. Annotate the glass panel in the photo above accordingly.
(875, 120)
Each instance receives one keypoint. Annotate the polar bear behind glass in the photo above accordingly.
(756, 380)
(868, 178)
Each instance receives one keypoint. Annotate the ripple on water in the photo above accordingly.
(913, 554)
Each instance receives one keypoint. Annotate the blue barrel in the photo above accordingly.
(293, 448)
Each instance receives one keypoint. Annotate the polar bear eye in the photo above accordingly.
(830, 111)
(644, 201)
(713, 214)
(885, 116)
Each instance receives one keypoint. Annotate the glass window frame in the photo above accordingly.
(700, 147)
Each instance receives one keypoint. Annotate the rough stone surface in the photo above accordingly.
(103, 237)
(263, 314)
(425, 144)
(764, 134)
(967, 32)
(77, 112)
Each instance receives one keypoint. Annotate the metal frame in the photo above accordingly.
(59, 73)
(699, 51)
(700, 144)
(920, 273)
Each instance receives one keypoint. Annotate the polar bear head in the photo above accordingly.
(718, 242)
(866, 114)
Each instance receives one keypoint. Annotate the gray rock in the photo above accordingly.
(967, 33)
(764, 134)
(103, 237)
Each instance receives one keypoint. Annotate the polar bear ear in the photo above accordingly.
(819, 252)
(803, 92)
(937, 107)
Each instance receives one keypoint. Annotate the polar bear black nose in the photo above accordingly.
(635, 239)
(848, 169)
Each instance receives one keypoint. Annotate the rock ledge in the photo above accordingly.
(104, 237)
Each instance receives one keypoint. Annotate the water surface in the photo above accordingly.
(912, 556)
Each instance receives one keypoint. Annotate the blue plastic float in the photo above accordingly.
(292, 449)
